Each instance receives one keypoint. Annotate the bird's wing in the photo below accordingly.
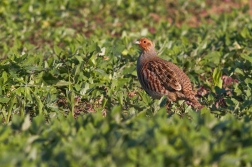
(165, 74)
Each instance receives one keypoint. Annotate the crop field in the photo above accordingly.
(70, 96)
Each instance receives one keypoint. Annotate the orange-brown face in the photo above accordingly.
(144, 43)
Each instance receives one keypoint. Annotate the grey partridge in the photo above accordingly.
(159, 77)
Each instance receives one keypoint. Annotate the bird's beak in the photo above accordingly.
(137, 42)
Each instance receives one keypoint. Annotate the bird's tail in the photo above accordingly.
(195, 103)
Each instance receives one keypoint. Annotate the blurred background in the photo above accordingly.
(57, 22)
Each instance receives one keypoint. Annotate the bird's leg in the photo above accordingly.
(168, 103)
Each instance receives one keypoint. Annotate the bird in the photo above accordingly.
(159, 77)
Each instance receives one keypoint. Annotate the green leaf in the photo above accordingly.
(246, 33)
(247, 57)
(92, 60)
(27, 123)
(4, 76)
(212, 58)
(217, 74)
(4, 100)
(57, 50)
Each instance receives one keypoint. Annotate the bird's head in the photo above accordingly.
(145, 44)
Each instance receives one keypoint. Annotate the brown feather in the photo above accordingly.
(159, 77)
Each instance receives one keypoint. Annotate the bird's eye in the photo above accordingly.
(144, 41)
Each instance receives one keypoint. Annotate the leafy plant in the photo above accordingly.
(69, 93)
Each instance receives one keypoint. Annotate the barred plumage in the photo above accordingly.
(159, 77)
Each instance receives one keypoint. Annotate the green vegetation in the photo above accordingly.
(69, 94)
